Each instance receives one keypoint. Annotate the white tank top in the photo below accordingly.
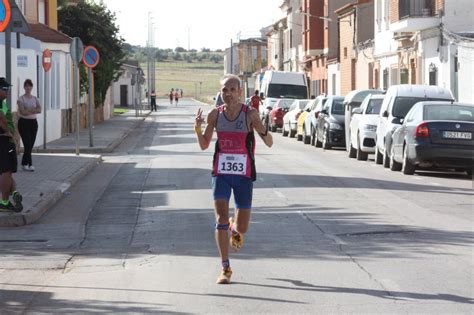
(29, 103)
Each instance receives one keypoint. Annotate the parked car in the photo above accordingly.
(278, 112)
(330, 124)
(397, 102)
(354, 100)
(364, 126)
(218, 101)
(301, 133)
(311, 121)
(289, 121)
(435, 135)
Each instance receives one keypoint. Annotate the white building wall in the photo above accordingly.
(334, 79)
(459, 15)
(466, 70)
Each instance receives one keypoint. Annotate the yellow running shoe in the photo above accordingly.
(236, 239)
(224, 277)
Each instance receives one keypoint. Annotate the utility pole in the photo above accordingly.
(189, 38)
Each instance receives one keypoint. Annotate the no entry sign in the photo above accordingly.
(5, 14)
(47, 56)
(91, 57)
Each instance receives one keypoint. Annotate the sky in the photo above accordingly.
(211, 23)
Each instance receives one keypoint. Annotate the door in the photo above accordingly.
(124, 95)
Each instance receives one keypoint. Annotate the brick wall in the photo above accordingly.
(394, 11)
(436, 6)
(346, 51)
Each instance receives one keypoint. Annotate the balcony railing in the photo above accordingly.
(415, 8)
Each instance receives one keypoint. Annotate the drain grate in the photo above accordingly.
(375, 233)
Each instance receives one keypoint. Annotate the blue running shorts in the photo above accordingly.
(223, 185)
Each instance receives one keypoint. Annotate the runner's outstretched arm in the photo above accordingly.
(206, 138)
(260, 128)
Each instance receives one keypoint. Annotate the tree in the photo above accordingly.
(205, 50)
(96, 25)
(179, 49)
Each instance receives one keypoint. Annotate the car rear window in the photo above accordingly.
(402, 105)
(373, 108)
(284, 104)
(337, 107)
(448, 112)
(302, 104)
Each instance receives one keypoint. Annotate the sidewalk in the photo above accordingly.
(56, 171)
(106, 135)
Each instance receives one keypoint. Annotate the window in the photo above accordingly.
(387, 14)
(385, 79)
(433, 79)
(404, 76)
(42, 12)
(378, 17)
(345, 52)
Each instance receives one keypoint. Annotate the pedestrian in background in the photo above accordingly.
(255, 101)
(171, 96)
(8, 154)
(28, 107)
(153, 100)
(176, 97)
(181, 92)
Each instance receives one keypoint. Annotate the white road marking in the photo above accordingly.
(280, 194)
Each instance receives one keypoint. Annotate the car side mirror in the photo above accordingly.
(357, 110)
(269, 108)
(385, 114)
(397, 120)
(324, 111)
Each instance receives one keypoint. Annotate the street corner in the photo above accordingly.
(56, 174)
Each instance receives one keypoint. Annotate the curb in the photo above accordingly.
(50, 199)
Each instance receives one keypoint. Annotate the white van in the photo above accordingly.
(281, 84)
(397, 102)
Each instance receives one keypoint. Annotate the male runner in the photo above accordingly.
(233, 165)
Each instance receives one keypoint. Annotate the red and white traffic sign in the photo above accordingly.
(91, 57)
(5, 14)
(47, 58)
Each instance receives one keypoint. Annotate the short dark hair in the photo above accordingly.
(28, 82)
(256, 92)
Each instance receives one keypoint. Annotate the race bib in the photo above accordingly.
(232, 164)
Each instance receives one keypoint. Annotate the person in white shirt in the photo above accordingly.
(28, 107)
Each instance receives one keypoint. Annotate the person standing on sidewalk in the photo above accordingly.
(153, 100)
(255, 101)
(8, 154)
(28, 107)
(233, 165)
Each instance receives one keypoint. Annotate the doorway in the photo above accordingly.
(124, 95)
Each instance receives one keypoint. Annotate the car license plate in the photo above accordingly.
(457, 135)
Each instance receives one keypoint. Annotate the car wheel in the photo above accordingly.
(313, 137)
(361, 155)
(292, 132)
(378, 155)
(317, 143)
(273, 128)
(352, 151)
(394, 165)
(306, 138)
(284, 133)
(408, 168)
(299, 137)
(326, 145)
(386, 158)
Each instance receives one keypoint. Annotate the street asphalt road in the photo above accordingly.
(328, 235)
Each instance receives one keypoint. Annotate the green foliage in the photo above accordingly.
(179, 49)
(96, 25)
